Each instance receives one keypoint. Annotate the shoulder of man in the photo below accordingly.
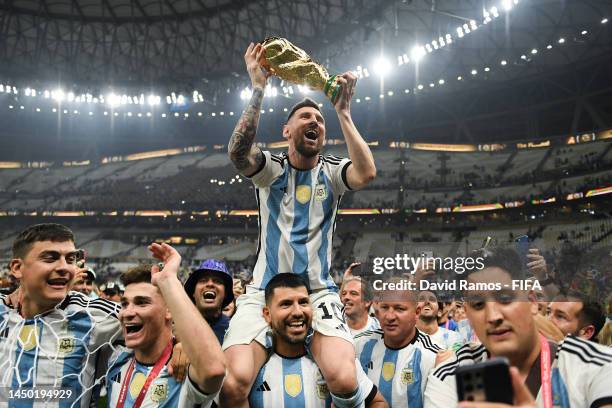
(467, 354)
(367, 335)
(425, 343)
(574, 351)
(96, 308)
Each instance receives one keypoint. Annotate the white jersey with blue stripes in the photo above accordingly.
(65, 348)
(297, 213)
(399, 374)
(164, 391)
(296, 383)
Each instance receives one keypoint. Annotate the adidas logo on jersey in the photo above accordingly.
(263, 387)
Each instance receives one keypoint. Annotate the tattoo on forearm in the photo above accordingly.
(240, 143)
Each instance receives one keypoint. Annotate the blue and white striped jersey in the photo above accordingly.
(400, 374)
(297, 213)
(66, 347)
(371, 325)
(580, 375)
(296, 383)
(164, 391)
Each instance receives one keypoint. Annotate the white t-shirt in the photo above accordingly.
(580, 375)
(297, 213)
(371, 325)
(446, 339)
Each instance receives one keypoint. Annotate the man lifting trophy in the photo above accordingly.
(298, 194)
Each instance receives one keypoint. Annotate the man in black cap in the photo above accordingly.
(85, 284)
(210, 288)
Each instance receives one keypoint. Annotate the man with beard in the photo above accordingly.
(297, 193)
(574, 373)
(210, 287)
(154, 302)
(398, 358)
(428, 323)
(290, 378)
(577, 315)
(357, 297)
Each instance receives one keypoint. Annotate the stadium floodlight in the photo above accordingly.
(504, 62)
(420, 86)
(549, 47)
(487, 69)
(180, 100)
(199, 113)
(428, 48)
(534, 51)
(46, 94)
(54, 110)
(1, 88)
(406, 90)
(232, 113)
(460, 32)
(459, 78)
(604, 21)
(584, 32)
(474, 72)
(70, 96)
(495, 12)
(10, 106)
(381, 66)
(356, 100)
(390, 93)
(28, 92)
(466, 29)
(124, 99)
(76, 112)
(37, 109)
(214, 114)
(116, 114)
(381, 96)
(139, 115)
(367, 98)
(473, 25)
(168, 100)
(58, 95)
(176, 114)
(148, 114)
(507, 4)
(417, 53)
(561, 40)
(441, 82)
(163, 115)
(434, 44)
(524, 57)
(105, 113)
(129, 114)
(22, 107)
(65, 111)
(186, 115)
(431, 85)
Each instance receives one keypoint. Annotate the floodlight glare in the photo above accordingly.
(381, 67)
(504, 62)
(417, 53)
(507, 4)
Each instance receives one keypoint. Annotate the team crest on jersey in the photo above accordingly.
(159, 391)
(302, 193)
(407, 376)
(66, 345)
(28, 337)
(322, 390)
(388, 371)
(137, 383)
(293, 384)
(320, 192)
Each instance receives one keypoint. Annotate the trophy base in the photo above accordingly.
(332, 89)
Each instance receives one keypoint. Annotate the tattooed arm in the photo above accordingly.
(248, 158)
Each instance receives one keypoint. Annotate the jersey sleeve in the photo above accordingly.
(338, 173)
(192, 396)
(599, 392)
(441, 391)
(271, 169)
(364, 383)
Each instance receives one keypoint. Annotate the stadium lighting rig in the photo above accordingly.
(143, 103)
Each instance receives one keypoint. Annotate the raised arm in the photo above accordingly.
(207, 368)
(248, 158)
(362, 170)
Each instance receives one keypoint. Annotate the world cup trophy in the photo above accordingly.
(293, 64)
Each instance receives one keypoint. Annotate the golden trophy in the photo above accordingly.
(293, 64)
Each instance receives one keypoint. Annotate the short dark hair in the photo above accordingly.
(137, 274)
(500, 257)
(306, 102)
(592, 312)
(367, 292)
(283, 280)
(37, 233)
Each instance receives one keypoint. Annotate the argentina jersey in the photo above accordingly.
(297, 212)
(164, 391)
(66, 347)
(400, 374)
(580, 375)
(297, 383)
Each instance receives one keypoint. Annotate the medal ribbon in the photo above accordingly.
(159, 364)
(545, 372)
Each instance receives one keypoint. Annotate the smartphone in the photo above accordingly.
(487, 381)
(522, 247)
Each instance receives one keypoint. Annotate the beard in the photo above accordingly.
(305, 151)
(280, 330)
